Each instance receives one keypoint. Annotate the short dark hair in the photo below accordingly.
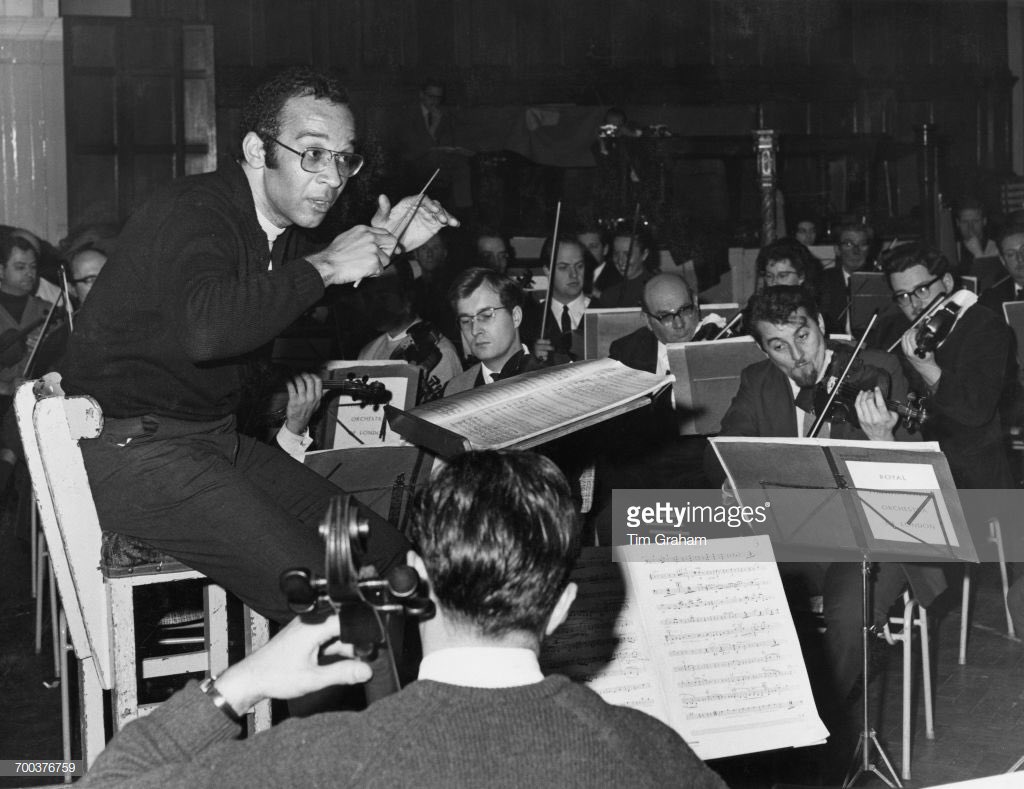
(509, 293)
(776, 305)
(498, 534)
(802, 259)
(262, 110)
(912, 255)
(854, 227)
(10, 242)
(970, 203)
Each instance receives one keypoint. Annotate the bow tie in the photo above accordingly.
(805, 398)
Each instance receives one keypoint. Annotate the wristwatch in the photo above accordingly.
(208, 687)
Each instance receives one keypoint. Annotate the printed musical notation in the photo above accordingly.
(708, 648)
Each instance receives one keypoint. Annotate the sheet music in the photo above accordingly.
(702, 641)
(601, 643)
(731, 654)
(508, 412)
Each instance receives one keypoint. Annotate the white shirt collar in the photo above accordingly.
(482, 667)
(576, 309)
(486, 371)
(271, 230)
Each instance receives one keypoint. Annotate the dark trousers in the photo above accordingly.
(236, 510)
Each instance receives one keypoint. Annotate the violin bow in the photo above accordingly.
(412, 214)
(408, 221)
(729, 326)
(820, 420)
(551, 271)
(933, 306)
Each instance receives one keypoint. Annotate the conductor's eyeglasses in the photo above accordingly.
(315, 160)
(483, 317)
(668, 318)
(921, 292)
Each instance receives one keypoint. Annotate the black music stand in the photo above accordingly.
(841, 499)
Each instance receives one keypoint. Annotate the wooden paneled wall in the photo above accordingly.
(819, 67)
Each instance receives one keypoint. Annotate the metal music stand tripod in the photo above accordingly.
(868, 739)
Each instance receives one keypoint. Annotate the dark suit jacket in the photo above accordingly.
(833, 298)
(995, 297)
(638, 350)
(764, 407)
(649, 452)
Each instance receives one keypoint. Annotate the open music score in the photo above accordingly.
(706, 646)
(528, 409)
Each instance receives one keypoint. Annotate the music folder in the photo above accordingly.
(828, 500)
(529, 409)
(707, 378)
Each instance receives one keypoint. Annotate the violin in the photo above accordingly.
(933, 331)
(835, 396)
(354, 591)
(424, 352)
(362, 390)
(12, 343)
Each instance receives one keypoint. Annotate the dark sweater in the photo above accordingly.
(553, 733)
(183, 296)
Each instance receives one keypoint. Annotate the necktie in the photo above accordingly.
(566, 320)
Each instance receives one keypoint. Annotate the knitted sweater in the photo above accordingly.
(553, 733)
(185, 294)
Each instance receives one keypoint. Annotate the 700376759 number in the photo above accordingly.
(11, 767)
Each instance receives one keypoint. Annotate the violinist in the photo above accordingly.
(405, 337)
(963, 375)
(776, 398)
(645, 449)
(21, 317)
(563, 327)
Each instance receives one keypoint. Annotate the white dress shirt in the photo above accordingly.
(482, 667)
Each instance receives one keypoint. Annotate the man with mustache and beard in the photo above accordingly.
(771, 402)
(203, 276)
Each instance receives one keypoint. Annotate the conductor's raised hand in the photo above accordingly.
(354, 255)
(430, 217)
(288, 666)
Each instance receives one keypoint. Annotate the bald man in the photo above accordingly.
(648, 450)
(672, 316)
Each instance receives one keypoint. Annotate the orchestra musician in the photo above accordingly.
(563, 327)
(498, 536)
(963, 379)
(646, 450)
(200, 279)
(772, 402)
(968, 378)
(853, 248)
(489, 306)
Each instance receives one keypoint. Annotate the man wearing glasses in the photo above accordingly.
(853, 252)
(645, 449)
(200, 279)
(964, 379)
(970, 381)
(489, 306)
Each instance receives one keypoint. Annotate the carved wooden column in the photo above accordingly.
(767, 149)
(927, 166)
